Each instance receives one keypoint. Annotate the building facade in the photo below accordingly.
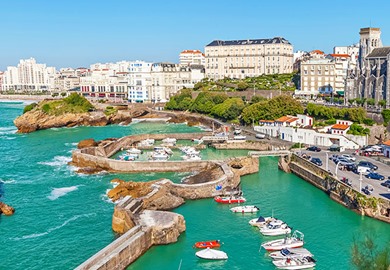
(29, 76)
(192, 57)
(371, 80)
(248, 58)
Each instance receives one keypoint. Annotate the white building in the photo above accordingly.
(386, 149)
(341, 127)
(29, 76)
(1, 79)
(312, 137)
(248, 58)
(140, 81)
(192, 57)
(352, 51)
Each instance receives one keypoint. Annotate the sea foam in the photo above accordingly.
(59, 192)
(35, 235)
(58, 161)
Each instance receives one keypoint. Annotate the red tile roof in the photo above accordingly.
(317, 52)
(287, 119)
(340, 126)
(387, 143)
(341, 55)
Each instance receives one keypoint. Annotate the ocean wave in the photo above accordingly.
(58, 161)
(8, 130)
(59, 192)
(7, 137)
(104, 197)
(35, 235)
(71, 144)
(9, 181)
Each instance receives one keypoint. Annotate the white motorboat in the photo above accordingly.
(293, 241)
(261, 221)
(168, 151)
(134, 151)
(295, 263)
(160, 156)
(245, 209)
(169, 140)
(291, 253)
(211, 254)
(274, 228)
(147, 142)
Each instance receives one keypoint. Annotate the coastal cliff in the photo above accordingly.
(37, 120)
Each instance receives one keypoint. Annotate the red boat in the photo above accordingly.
(230, 199)
(208, 244)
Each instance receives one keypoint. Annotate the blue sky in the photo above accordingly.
(78, 33)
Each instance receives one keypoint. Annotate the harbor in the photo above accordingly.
(69, 203)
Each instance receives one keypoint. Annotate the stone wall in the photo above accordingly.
(249, 93)
(377, 208)
(246, 145)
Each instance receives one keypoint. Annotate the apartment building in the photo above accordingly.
(1, 79)
(29, 76)
(248, 58)
(192, 57)
(317, 76)
(140, 81)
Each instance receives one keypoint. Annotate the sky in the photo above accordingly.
(70, 33)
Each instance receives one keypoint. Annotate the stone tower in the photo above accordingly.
(370, 38)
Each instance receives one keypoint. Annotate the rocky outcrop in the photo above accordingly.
(122, 221)
(6, 209)
(133, 189)
(37, 120)
(166, 226)
(87, 143)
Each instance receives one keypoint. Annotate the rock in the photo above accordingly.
(133, 189)
(121, 221)
(166, 226)
(6, 209)
(37, 120)
(87, 143)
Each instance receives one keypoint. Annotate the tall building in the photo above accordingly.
(371, 79)
(140, 81)
(29, 76)
(1, 79)
(192, 57)
(248, 58)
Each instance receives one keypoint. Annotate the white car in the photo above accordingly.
(351, 158)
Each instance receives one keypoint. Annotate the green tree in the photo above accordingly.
(205, 101)
(386, 115)
(370, 101)
(256, 99)
(228, 110)
(367, 256)
(29, 107)
(382, 103)
(242, 86)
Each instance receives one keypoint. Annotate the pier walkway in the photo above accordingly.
(269, 153)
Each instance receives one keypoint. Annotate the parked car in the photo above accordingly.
(314, 149)
(351, 167)
(376, 176)
(368, 164)
(343, 161)
(386, 183)
(362, 169)
(316, 161)
(351, 158)
(368, 189)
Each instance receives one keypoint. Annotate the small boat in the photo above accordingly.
(295, 263)
(134, 151)
(230, 199)
(261, 221)
(208, 244)
(211, 254)
(275, 228)
(169, 140)
(147, 142)
(245, 209)
(198, 141)
(168, 150)
(293, 241)
(159, 156)
(290, 252)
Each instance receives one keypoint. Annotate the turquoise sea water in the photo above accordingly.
(62, 218)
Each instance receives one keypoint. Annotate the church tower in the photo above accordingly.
(370, 38)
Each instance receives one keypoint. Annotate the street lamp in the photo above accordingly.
(360, 181)
(337, 167)
(327, 161)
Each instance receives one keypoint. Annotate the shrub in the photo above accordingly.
(29, 107)
(368, 122)
(46, 108)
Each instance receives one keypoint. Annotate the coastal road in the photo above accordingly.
(383, 169)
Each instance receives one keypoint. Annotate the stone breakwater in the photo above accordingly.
(142, 223)
(377, 208)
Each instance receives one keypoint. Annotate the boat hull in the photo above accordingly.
(282, 246)
(227, 200)
(208, 244)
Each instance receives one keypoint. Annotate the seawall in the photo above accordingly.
(338, 191)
